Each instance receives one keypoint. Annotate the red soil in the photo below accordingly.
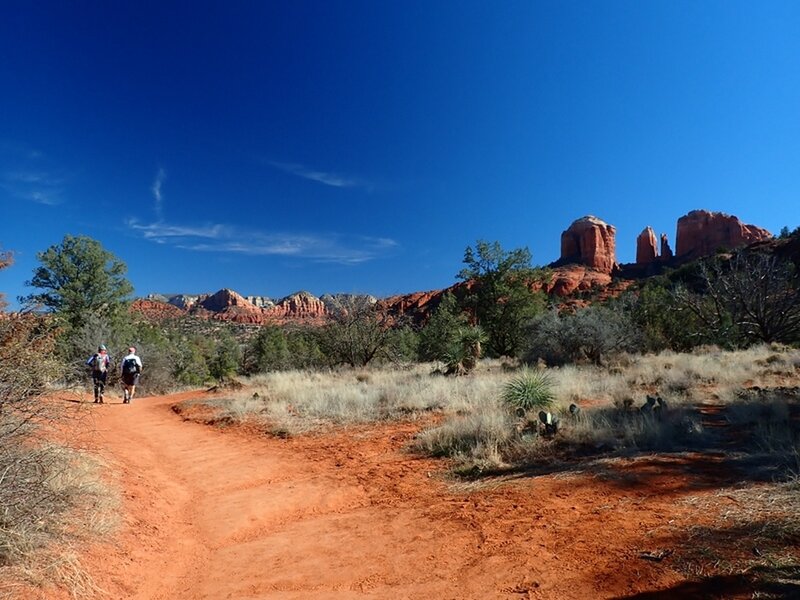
(229, 513)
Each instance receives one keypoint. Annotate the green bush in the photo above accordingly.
(224, 363)
(590, 334)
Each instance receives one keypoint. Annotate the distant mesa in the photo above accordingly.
(588, 263)
(228, 305)
(591, 242)
(702, 233)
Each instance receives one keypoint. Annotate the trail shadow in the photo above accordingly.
(767, 582)
(672, 474)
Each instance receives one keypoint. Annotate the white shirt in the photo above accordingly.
(134, 357)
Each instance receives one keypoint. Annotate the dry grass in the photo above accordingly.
(297, 401)
(756, 532)
(478, 428)
(77, 506)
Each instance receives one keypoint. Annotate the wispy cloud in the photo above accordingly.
(156, 189)
(33, 186)
(161, 231)
(228, 239)
(324, 177)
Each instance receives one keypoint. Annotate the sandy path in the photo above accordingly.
(229, 514)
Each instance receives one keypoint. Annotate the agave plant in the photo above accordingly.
(529, 390)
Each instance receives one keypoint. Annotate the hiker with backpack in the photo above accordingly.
(100, 362)
(131, 368)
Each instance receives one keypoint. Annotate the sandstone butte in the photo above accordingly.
(702, 233)
(646, 249)
(587, 263)
(591, 242)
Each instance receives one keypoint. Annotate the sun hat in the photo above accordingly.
(101, 347)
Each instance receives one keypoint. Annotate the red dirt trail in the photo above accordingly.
(212, 513)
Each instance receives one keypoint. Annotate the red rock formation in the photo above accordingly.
(301, 305)
(666, 251)
(702, 232)
(155, 311)
(646, 249)
(227, 305)
(226, 298)
(570, 279)
(590, 241)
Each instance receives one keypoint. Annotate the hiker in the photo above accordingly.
(99, 362)
(131, 368)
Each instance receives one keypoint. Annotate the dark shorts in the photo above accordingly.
(130, 378)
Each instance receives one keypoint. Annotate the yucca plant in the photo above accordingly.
(529, 390)
(465, 350)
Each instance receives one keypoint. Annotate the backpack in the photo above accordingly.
(100, 363)
(129, 367)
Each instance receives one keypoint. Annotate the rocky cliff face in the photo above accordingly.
(301, 305)
(184, 301)
(591, 242)
(646, 249)
(702, 232)
(335, 303)
(261, 301)
(666, 251)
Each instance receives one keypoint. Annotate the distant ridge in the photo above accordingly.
(587, 264)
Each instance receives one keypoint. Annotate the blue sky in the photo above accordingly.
(361, 146)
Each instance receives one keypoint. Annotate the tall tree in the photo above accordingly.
(499, 295)
(79, 277)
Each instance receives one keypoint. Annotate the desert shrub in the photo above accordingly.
(403, 344)
(591, 334)
(223, 364)
(190, 356)
(31, 499)
(268, 350)
(529, 390)
(443, 330)
(665, 322)
(357, 335)
(304, 349)
(159, 350)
